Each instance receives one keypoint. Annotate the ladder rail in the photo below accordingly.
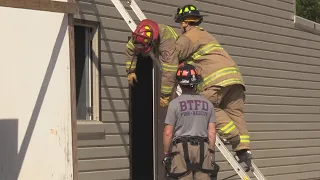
(134, 6)
(125, 15)
(235, 165)
(257, 172)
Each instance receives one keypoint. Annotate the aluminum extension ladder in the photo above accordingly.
(236, 166)
(220, 145)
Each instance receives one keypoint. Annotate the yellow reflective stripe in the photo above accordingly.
(175, 35)
(206, 49)
(230, 81)
(133, 65)
(190, 62)
(200, 28)
(222, 72)
(130, 45)
(170, 68)
(129, 62)
(228, 128)
(245, 141)
(244, 138)
(166, 89)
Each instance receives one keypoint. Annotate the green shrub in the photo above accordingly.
(308, 9)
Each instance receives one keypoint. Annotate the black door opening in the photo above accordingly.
(141, 121)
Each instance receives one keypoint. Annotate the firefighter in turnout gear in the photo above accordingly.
(190, 126)
(159, 38)
(222, 81)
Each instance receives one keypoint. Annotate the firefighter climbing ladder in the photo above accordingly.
(220, 145)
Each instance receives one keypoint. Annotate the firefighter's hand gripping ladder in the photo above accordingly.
(220, 145)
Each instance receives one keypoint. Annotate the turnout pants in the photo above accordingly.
(178, 164)
(228, 104)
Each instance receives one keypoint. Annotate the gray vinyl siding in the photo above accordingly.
(281, 68)
(103, 147)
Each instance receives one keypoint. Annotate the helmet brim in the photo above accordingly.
(178, 19)
(198, 81)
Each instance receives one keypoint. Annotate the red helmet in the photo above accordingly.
(146, 32)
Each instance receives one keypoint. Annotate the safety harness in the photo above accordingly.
(191, 167)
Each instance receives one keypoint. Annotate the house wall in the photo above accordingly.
(35, 118)
(280, 64)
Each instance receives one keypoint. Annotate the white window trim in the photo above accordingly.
(305, 24)
(95, 67)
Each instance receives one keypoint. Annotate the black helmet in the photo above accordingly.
(187, 74)
(188, 11)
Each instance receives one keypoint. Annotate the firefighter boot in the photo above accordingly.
(245, 156)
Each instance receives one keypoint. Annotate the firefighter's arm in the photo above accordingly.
(212, 128)
(170, 122)
(167, 137)
(212, 135)
(212, 139)
(131, 61)
(169, 63)
(183, 48)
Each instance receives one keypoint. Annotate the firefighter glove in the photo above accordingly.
(131, 78)
(164, 101)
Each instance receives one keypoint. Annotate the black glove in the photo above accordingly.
(166, 160)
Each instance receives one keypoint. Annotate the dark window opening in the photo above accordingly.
(83, 69)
